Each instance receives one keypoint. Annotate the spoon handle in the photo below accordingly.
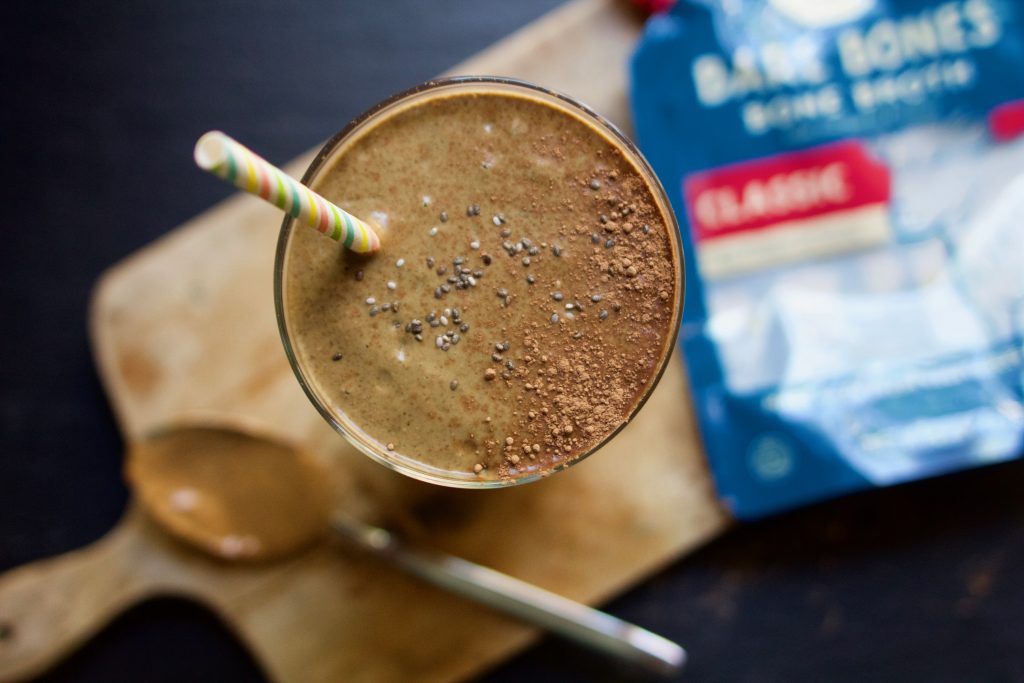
(530, 603)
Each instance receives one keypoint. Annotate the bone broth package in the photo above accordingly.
(849, 178)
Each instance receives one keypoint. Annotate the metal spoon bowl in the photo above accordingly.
(242, 495)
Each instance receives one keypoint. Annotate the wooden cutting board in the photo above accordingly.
(187, 325)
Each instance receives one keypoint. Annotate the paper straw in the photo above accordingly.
(228, 159)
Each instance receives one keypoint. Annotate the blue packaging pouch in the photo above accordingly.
(849, 181)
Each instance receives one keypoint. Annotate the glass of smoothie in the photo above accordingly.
(526, 297)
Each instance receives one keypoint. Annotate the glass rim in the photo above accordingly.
(617, 137)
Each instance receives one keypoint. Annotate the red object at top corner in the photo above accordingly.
(653, 6)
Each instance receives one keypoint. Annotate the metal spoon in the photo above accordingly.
(239, 494)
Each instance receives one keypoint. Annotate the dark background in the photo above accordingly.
(102, 103)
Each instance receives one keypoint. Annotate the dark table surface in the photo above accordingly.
(103, 101)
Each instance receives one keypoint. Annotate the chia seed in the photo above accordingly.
(603, 219)
(646, 228)
(370, 301)
(557, 296)
(336, 357)
(554, 317)
(530, 279)
(496, 357)
(464, 328)
(458, 261)
(385, 307)
(603, 315)
(392, 285)
(430, 262)
(498, 219)
(595, 238)
(526, 260)
(556, 250)
(432, 231)
(443, 216)
(441, 270)
(453, 385)
(399, 263)
(359, 276)
(609, 244)
(475, 244)
(533, 251)
(595, 184)
(473, 210)
(502, 293)
(487, 259)
(374, 311)
(596, 298)
(445, 288)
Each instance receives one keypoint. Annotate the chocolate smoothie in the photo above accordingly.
(523, 304)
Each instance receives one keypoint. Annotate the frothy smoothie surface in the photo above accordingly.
(522, 303)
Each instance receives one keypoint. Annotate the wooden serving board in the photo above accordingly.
(187, 324)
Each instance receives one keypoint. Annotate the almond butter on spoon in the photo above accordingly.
(242, 495)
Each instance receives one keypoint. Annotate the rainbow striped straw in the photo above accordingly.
(228, 159)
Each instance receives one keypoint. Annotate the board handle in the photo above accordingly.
(50, 607)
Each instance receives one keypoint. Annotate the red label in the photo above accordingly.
(796, 186)
(1007, 121)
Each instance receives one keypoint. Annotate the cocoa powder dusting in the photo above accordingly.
(581, 391)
